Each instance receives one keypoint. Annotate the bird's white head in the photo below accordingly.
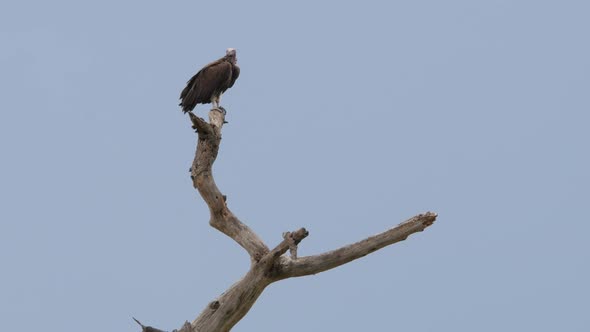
(231, 52)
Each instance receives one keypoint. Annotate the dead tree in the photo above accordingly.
(267, 265)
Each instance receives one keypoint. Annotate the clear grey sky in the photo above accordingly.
(348, 118)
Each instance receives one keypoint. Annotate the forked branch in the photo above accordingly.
(267, 266)
(315, 264)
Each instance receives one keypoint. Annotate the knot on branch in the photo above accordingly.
(214, 305)
(293, 239)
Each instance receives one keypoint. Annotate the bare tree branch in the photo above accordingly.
(267, 266)
(201, 173)
(223, 313)
(147, 328)
(231, 306)
(200, 125)
(315, 264)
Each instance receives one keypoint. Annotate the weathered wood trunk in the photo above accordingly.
(267, 266)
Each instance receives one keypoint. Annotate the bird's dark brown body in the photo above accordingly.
(210, 82)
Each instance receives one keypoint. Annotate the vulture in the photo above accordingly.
(210, 82)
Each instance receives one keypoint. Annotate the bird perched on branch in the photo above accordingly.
(211, 82)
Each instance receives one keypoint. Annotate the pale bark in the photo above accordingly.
(315, 264)
(267, 266)
(201, 174)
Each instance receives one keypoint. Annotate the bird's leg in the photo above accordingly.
(214, 102)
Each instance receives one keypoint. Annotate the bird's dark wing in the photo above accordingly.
(234, 75)
(207, 82)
